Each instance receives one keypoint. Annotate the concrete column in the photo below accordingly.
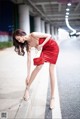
(24, 21)
(52, 31)
(42, 26)
(48, 28)
(37, 24)
(56, 32)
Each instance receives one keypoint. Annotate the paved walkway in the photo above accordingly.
(13, 72)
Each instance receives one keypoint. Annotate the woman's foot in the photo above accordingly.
(26, 95)
(52, 103)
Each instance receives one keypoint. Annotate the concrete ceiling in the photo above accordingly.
(54, 11)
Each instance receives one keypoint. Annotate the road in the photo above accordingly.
(68, 74)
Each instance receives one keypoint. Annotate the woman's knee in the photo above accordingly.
(39, 67)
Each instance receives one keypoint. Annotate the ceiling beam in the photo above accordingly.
(63, 18)
(46, 3)
(33, 5)
(18, 1)
(38, 10)
(77, 6)
(43, 7)
(63, 22)
(59, 7)
(61, 15)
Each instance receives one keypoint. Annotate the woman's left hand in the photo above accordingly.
(39, 47)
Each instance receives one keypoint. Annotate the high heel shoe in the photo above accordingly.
(26, 98)
(52, 103)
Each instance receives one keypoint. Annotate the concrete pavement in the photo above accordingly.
(13, 72)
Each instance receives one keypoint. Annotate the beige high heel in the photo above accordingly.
(24, 97)
(52, 103)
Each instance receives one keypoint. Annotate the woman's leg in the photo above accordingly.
(33, 74)
(32, 77)
(52, 83)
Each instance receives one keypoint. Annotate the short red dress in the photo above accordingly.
(49, 52)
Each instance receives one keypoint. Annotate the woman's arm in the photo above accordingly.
(28, 63)
(41, 35)
(28, 66)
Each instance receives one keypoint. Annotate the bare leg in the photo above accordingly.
(34, 73)
(52, 83)
(32, 77)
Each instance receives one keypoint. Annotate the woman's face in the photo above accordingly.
(20, 39)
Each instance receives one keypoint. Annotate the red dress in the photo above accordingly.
(49, 52)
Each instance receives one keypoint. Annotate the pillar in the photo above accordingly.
(56, 32)
(52, 31)
(42, 26)
(24, 20)
(48, 28)
(37, 24)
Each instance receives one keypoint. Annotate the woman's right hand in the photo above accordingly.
(39, 47)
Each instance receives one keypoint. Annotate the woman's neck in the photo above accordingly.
(27, 38)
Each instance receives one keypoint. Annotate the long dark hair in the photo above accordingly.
(19, 47)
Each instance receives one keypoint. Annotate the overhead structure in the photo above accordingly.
(54, 11)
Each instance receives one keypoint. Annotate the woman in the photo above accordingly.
(49, 53)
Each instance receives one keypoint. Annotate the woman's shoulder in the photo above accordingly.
(40, 35)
